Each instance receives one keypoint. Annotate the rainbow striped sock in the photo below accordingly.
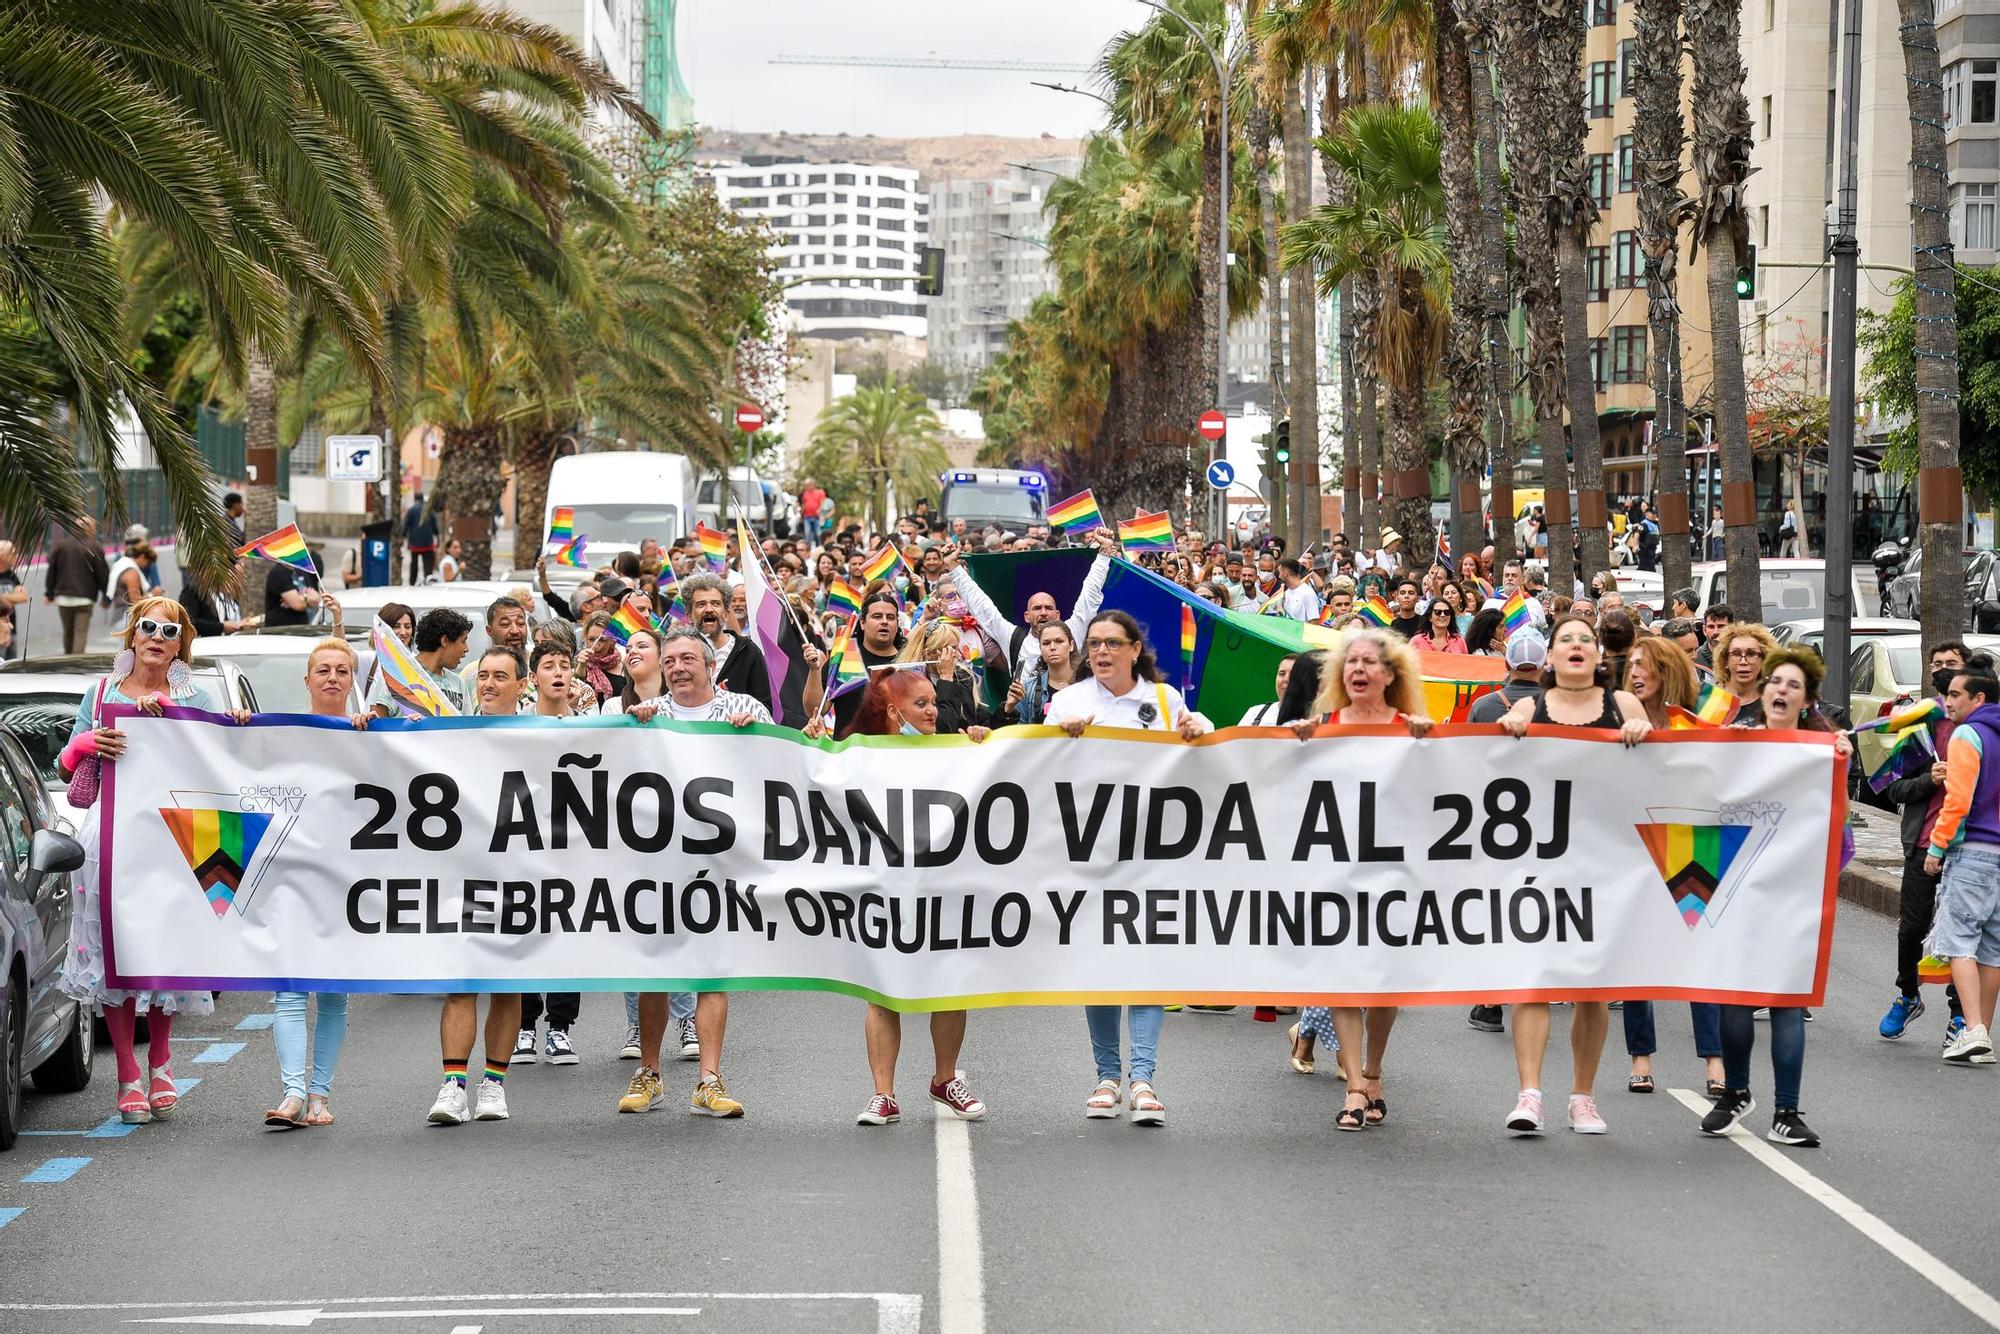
(496, 1073)
(455, 1072)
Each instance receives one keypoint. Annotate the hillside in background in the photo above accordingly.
(952, 157)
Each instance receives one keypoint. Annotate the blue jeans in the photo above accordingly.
(811, 522)
(680, 1005)
(288, 1031)
(1640, 1039)
(1788, 1050)
(1142, 1021)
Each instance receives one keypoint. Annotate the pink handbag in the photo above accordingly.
(84, 780)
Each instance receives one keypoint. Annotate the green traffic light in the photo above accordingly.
(1746, 286)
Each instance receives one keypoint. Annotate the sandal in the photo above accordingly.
(1147, 1109)
(1302, 1064)
(1378, 1107)
(319, 1111)
(1352, 1118)
(1639, 1084)
(162, 1096)
(289, 1114)
(133, 1109)
(1102, 1104)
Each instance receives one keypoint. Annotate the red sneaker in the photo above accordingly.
(881, 1110)
(958, 1097)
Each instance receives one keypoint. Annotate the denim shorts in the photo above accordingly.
(1968, 912)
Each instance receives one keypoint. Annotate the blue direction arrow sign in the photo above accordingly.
(1221, 474)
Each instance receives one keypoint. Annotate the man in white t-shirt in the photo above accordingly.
(1301, 601)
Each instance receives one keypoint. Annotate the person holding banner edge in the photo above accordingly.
(1124, 690)
(1575, 694)
(330, 669)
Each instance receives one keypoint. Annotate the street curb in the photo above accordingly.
(1872, 888)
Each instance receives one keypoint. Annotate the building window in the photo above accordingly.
(1603, 89)
(1969, 92)
(1628, 269)
(1771, 14)
(1603, 13)
(1972, 210)
(1628, 354)
(1600, 179)
(1628, 165)
(1597, 363)
(843, 178)
(818, 198)
(1764, 225)
(1764, 135)
(1598, 267)
(1628, 51)
(817, 178)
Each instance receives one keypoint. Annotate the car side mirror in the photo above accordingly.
(50, 853)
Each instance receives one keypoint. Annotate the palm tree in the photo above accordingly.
(1493, 286)
(1721, 224)
(1658, 135)
(1941, 592)
(890, 435)
(1393, 227)
(1465, 357)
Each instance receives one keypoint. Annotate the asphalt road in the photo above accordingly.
(1247, 1211)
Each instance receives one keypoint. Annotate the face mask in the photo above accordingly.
(1941, 679)
(909, 730)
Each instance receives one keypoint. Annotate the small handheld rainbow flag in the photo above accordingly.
(1376, 613)
(1683, 720)
(1886, 757)
(1514, 613)
(626, 622)
(562, 525)
(1187, 647)
(570, 553)
(405, 678)
(1146, 532)
(844, 659)
(286, 546)
(714, 547)
(1078, 514)
(1923, 711)
(1716, 707)
(843, 597)
(882, 563)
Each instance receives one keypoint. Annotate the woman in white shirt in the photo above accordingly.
(1123, 690)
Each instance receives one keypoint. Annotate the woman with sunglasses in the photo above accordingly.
(149, 674)
(1576, 693)
(1123, 690)
(1440, 632)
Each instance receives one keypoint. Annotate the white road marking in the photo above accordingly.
(466, 1329)
(1941, 1275)
(961, 1274)
(895, 1312)
(312, 1315)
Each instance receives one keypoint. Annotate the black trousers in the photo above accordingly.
(562, 1009)
(1919, 904)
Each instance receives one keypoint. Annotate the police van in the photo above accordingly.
(1010, 499)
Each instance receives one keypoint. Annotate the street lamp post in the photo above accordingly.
(1224, 70)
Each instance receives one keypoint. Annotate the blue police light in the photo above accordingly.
(1032, 479)
(963, 477)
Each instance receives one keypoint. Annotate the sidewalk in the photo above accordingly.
(1873, 879)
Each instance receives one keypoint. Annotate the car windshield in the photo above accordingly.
(278, 680)
(41, 723)
(629, 524)
(1906, 662)
(744, 492)
(976, 500)
(1787, 594)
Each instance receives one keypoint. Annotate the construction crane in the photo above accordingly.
(930, 62)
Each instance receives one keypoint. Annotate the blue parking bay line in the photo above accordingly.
(217, 1052)
(55, 1169)
(111, 1127)
(9, 1215)
(255, 1021)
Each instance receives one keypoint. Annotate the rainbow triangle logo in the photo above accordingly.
(217, 845)
(1693, 859)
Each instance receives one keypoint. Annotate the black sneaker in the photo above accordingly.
(1788, 1127)
(1486, 1018)
(1731, 1107)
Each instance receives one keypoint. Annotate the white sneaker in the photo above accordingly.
(1583, 1115)
(492, 1101)
(560, 1052)
(690, 1044)
(524, 1048)
(450, 1108)
(1971, 1044)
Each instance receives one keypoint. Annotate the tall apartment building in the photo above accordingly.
(634, 39)
(996, 258)
(847, 240)
(1969, 51)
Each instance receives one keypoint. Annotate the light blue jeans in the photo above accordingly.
(1141, 1021)
(288, 1031)
(680, 1006)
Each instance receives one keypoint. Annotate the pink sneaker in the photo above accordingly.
(1526, 1118)
(1583, 1116)
(955, 1095)
(880, 1111)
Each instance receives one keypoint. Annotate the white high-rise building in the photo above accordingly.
(603, 29)
(847, 240)
(996, 258)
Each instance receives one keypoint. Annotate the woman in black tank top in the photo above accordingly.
(1575, 693)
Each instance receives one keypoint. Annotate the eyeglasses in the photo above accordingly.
(1746, 655)
(1095, 644)
(148, 628)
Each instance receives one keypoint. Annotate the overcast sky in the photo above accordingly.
(726, 46)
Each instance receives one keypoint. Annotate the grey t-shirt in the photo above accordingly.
(1492, 706)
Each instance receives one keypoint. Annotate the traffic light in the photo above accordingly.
(1746, 275)
(930, 271)
(1281, 441)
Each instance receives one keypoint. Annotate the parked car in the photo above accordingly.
(42, 1031)
(754, 499)
(469, 598)
(275, 666)
(1812, 633)
(1789, 589)
(1901, 591)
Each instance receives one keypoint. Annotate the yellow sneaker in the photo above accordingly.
(645, 1092)
(711, 1099)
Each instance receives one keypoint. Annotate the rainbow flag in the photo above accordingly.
(626, 622)
(843, 597)
(1716, 707)
(1923, 711)
(1146, 532)
(714, 546)
(1327, 615)
(562, 525)
(1514, 613)
(1376, 613)
(1187, 647)
(570, 553)
(844, 659)
(1684, 720)
(218, 847)
(1887, 756)
(405, 678)
(1078, 514)
(882, 563)
(286, 546)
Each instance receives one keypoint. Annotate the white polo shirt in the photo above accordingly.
(1089, 699)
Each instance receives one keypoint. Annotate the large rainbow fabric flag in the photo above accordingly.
(287, 546)
(1078, 514)
(405, 678)
(714, 548)
(882, 564)
(1146, 532)
(562, 525)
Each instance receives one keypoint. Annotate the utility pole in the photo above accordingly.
(1846, 251)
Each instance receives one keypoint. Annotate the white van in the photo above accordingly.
(750, 497)
(616, 500)
(1791, 589)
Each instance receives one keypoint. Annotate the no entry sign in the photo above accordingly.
(749, 418)
(1212, 425)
